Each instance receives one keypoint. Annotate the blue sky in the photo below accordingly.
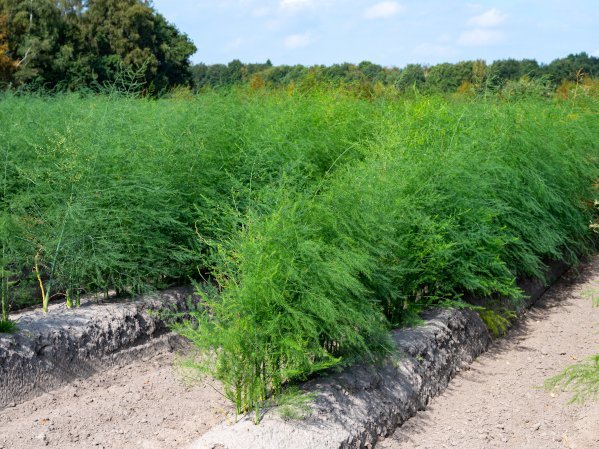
(390, 33)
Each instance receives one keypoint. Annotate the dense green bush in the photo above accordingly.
(113, 193)
(451, 200)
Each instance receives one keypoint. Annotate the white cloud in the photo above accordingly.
(383, 10)
(596, 53)
(295, 4)
(298, 40)
(490, 18)
(480, 37)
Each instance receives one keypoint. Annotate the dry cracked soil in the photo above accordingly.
(496, 403)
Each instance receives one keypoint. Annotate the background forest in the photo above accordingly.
(67, 45)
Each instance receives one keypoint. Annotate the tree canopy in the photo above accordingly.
(75, 43)
(445, 77)
(7, 64)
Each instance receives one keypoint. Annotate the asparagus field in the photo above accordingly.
(312, 221)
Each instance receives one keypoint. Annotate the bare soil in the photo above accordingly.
(144, 405)
(497, 402)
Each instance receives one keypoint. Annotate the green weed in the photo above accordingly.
(582, 379)
(293, 404)
(7, 327)
(497, 321)
(592, 293)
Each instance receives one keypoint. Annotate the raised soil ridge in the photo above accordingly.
(50, 350)
(357, 407)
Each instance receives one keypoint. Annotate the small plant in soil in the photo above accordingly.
(582, 379)
(7, 326)
(497, 318)
(294, 404)
(592, 293)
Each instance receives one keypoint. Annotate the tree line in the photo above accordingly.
(74, 44)
(444, 77)
(80, 44)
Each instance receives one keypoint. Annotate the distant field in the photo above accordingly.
(320, 218)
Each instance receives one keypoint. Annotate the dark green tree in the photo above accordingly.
(448, 77)
(133, 34)
(505, 69)
(411, 77)
(530, 68)
(217, 75)
(35, 38)
(7, 64)
(236, 72)
(339, 72)
(199, 75)
(72, 43)
(373, 72)
(573, 65)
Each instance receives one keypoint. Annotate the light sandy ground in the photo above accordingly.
(497, 402)
(144, 405)
(494, 404)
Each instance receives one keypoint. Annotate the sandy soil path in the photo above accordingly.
(497, 403)
(144, 405)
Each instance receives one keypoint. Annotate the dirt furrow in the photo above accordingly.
(497, 402)
(144, 405)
